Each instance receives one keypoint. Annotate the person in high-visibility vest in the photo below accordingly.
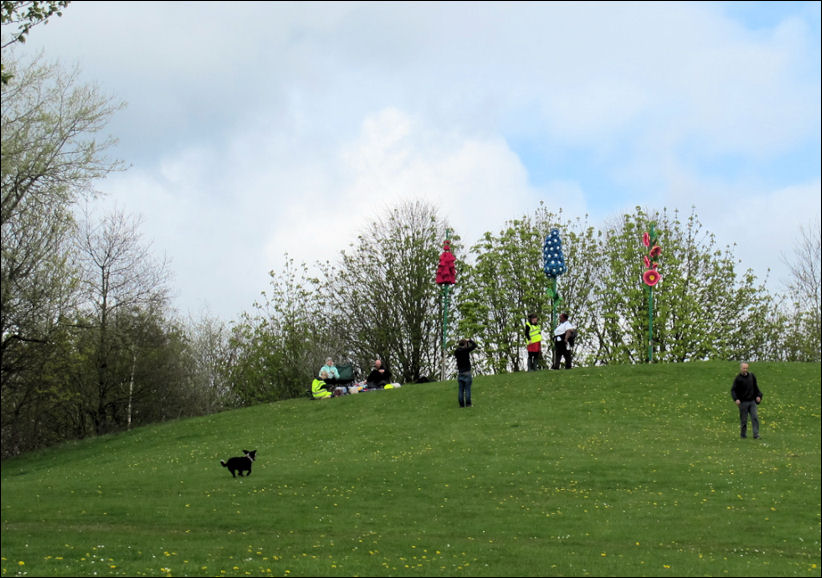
(533, 333)
(318, 390)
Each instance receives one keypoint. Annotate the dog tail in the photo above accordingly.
(222, 463)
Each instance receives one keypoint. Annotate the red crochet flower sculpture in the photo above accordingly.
(446, 270)
(651, 276)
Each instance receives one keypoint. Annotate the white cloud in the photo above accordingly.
(258, 129)
(396, 158)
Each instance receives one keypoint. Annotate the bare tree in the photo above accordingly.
(805, 290)
(210, 354)
(119, 274)
(805, 266)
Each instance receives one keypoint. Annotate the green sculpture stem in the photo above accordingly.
(650, 324)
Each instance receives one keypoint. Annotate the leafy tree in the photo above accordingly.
(147, 369)
(157, 369)
(277, 350)
(50, 158)
(36, 408)
(382, 295)
(502, 286)
(703, 308)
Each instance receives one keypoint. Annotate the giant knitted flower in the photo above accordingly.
(446, 270)
(651, 277)
(554, 261)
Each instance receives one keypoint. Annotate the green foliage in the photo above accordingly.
(703, 309)
(621, 328)
(50, 158)
(502, 287)
(505, 283)
(277, 350)
(618, 471)
(25, 15)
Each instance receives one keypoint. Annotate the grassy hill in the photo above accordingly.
(624, 471)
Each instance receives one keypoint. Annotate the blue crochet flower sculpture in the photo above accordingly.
(552, 255)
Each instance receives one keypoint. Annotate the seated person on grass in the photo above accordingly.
(331, 371)
(380, 376)
(318, 387)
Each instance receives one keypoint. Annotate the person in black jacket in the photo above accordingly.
(746, 394)
(464, 378)
(380, 376)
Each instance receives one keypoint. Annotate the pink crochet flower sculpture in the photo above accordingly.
(446, 270)
(651, 276)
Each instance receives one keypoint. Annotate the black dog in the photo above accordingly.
(240, 465)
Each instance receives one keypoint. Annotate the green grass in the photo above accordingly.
(623, 471)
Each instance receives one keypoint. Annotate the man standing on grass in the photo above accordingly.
(745, 393)
(464, 378)
(563, 341)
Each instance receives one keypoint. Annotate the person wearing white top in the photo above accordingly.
(562, 347)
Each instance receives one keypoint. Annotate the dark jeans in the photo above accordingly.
(464, 380)
(746, 408)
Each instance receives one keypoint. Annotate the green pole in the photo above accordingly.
(554, 294)
(650, 324)
(445, 290)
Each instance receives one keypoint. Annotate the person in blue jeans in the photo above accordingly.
(464, 378)
(746, 395)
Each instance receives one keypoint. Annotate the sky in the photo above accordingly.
(253, 131)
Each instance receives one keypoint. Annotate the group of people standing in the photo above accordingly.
(563, 342)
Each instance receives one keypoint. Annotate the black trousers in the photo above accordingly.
(561, 351)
